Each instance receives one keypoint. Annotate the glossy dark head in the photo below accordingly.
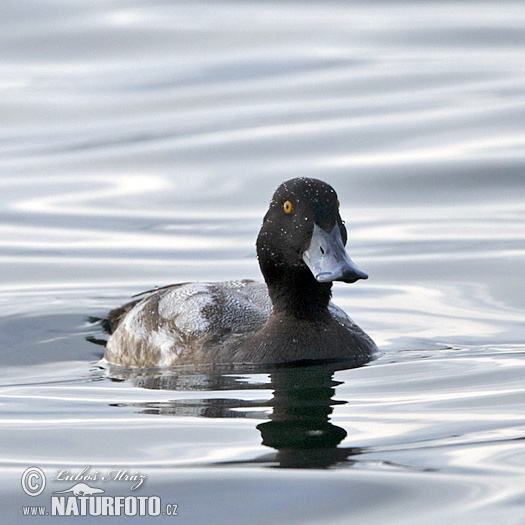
(303, 230)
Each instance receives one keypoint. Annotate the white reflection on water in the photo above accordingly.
(76, 196)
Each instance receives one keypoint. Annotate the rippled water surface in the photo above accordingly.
(140, 145)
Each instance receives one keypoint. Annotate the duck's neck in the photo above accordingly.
(296, 293)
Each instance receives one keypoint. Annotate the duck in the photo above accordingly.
(287, 319)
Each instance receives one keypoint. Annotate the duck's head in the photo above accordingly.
(303, 230)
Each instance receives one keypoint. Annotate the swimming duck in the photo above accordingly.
(289, 318)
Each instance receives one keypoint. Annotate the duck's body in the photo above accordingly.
(289, 318)
(225, 322)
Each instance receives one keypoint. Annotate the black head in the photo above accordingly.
(303, 232)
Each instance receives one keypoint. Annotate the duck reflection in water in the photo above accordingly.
(299, 426)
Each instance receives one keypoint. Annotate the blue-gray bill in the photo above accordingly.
(327, 257)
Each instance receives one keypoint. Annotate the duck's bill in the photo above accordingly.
(328, 260)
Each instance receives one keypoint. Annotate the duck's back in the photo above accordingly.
(181, 323)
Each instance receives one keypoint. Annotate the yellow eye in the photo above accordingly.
(288, 207)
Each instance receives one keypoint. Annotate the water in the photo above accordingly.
(141, 144)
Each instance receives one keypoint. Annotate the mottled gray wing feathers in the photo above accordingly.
(202, 309)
